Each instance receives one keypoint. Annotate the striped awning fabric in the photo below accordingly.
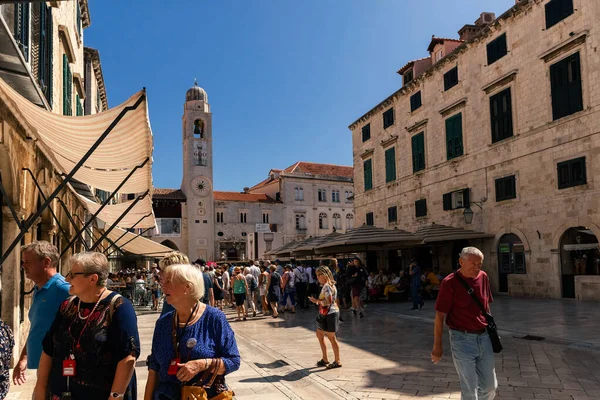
(66, 139)
(111, 213)
(132, 243)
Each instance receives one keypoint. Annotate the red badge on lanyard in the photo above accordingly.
(68, 367)
(173, 368)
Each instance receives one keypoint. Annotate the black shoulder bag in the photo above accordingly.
(491, 328)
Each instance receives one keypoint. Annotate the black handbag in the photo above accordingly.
(491, 328)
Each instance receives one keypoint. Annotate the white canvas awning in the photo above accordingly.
(69, 138)
(135, 244)
(112, 212)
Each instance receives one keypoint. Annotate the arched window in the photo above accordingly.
(335, 196)
(323, 221)
(298, 193)
(199, 129)
(349, 221)
(322, 195)
(337, 221)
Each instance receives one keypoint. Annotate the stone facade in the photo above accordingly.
(18, 151)
(540, 214)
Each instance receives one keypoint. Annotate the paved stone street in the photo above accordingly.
(386, 355)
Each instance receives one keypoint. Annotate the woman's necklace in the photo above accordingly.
(93, 309)
(191, 318)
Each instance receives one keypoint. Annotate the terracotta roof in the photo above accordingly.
(168, 194)
(321, 169)
(263, 183)
(409, 64)
(247, 197)
(436, 40)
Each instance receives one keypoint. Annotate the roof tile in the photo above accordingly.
(246, 197)
(168, 194)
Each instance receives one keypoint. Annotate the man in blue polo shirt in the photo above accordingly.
(39, 260)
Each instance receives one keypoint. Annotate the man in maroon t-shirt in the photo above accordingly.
(471, 346)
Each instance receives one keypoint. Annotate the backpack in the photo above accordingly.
(253, 284)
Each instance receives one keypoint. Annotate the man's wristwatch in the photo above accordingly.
(116, 395)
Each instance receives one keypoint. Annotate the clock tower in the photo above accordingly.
(198, 174)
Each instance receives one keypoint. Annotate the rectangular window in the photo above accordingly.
(390, 164)
(45, 51)
(220, 216)
(506, 188)
(370, 219)
(388, 118)
(22, 28)
(335, 196)
(243, 217)
(265, 218)
(451, 78)
(78, 19)
(557, 10)
(571, 173)
(408, 77)
(67, 87)
(393, 214)
(421, 208)
(439, 55)
(415, 101)
(300, 221)
(496, 49)
(418, 152)
(565, 82)
(368, 172)
(366, 132)
(322, 195)
(501, 116)
(454, 142)
(456, 199)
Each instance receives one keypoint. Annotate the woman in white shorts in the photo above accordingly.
(262, 287)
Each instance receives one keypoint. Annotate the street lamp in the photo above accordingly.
(468, 214)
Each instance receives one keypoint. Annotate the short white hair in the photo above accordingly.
(186, 274)
(470, 251)
(246, 270)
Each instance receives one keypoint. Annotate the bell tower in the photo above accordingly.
(198, 174)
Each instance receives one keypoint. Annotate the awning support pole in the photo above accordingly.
(127, 242)
(112, 195)
(91, 232)
(43, 196)
(125, 233)
(29, 222)
(70, 217)
(109, 230)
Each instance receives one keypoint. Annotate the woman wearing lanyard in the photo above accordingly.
(189, 341)
(91, 348)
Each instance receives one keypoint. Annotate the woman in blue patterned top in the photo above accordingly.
(7, 342)
(201, 334)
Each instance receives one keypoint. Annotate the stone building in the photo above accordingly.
(305, 199)
(43, 59)
(497, 132)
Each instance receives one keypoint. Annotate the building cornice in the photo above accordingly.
(390, 140)
(452, 107)
(502, 81)
(63, 33)
(86, 20)
(519, 9)
(94, 56)
(417, 125)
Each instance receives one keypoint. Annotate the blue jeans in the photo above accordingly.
(414, 293)
(474, 361)
(291, 294)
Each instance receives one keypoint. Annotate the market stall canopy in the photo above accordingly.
(132, 243)
(443, 233)
(284, 249)
(307, 247)
(68, 139)
(111, 213)
(368, 237)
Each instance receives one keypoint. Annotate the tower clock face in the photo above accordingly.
(201, 186)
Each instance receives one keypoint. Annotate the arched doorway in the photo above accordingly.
(169, 244)
(511, 259)
(579, 255)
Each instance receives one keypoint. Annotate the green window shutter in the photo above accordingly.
(368, 172)
(390, 165)
(454, 145)
(70, 90)
(418, 152)
(49, 53)
(566, 88)
(447, 201)
(79, 106)
(65, 98)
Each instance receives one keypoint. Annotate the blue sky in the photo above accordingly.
(285, 78)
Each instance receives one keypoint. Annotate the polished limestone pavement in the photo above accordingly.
(386, 354)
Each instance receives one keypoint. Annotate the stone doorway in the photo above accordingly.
(579, 255)
(511, 259)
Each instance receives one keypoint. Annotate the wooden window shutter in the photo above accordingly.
(390, 165)
(574, 89)
(415, 153)
(368, 175)
(466, 198)
(447, 201)
(65, 80)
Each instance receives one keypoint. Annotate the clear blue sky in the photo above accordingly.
(285, 78)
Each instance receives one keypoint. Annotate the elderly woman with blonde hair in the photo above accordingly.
(91, 347)
(193, 345)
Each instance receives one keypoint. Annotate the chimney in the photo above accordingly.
(469, 31)
(246, 190)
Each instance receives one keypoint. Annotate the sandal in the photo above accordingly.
(333, 365)
(322, 363)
